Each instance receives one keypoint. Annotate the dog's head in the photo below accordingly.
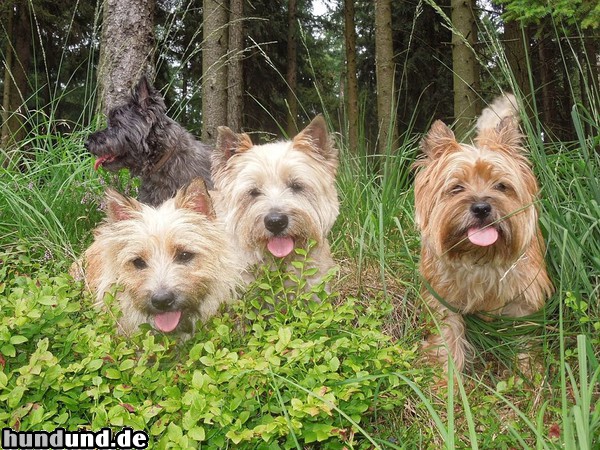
(277, 196)
(173, 264)
(127, 142)
(476, 202)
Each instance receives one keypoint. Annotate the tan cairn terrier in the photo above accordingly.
(482, 250)
(278, 196)
(169, 266)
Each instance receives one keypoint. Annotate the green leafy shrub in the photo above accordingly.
(278, 371)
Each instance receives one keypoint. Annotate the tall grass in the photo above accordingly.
(48, 201)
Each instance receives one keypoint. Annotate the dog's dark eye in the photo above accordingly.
(139, 263)
(501, 187)
(296, 186)
(254, 192)
(457, 189)
(184, 257)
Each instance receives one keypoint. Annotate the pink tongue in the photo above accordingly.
(167, 322)
(102, 159)
(483, 236)
(280, 246)
(99, 162)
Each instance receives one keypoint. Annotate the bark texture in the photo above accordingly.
(384, 71)
(292, 68)
(351, 78)
(464, 65)
(214, 68)
(126, 50)
(16, 88)
(235, 79)
(516, 44)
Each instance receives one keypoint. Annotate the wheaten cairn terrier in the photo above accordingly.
(482, 250)
(169, 266)
(276, 197)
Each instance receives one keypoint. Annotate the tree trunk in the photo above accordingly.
(516, 45)
(214, 68)
(13, 131)
(6, 92)
(292, 68)
(591, 86)
(464, 64)
(235, 81)
(545, 77)
(127, 49)
(351, 78)
(384, 72)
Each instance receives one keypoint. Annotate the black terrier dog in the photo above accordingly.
(142, 138)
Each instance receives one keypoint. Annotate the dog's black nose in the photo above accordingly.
(163, 299)
(481, 209)
(276, 222)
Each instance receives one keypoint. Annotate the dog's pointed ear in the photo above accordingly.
(315, 138)
(195, 197)
(141, 91)
(438, 140)
(144, 92)
(228, 144)
(119, 207)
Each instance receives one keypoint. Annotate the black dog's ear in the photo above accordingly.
(143, 92)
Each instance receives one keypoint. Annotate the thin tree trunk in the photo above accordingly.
(351, 78)
(183, 115)
(292, 68)
(545, 84)
(384, 72)
(14, 131)
(6, 92)
(127, 49)
(516, 44)
(591, 90)
(464, 64)
(235, 82)
(214, 68)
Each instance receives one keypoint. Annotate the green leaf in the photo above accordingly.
(197, 433)
(237, 437)
(8, 350)
(318, 432)
(334, 364)
(209, 347)
(17, 339)
(285, 336)
(112, 374)
(94, 364)
(174, 432)
(47, 300)
(3, 380)
(126, 365)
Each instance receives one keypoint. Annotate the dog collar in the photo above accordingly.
(162, 161)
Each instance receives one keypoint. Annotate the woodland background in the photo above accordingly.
(376, 68)
(345, 373)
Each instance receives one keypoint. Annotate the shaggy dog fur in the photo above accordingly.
(142, 138)
(482, 250)
(169, 266)
(276, 197)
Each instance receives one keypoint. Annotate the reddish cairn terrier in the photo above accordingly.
(482, 250)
